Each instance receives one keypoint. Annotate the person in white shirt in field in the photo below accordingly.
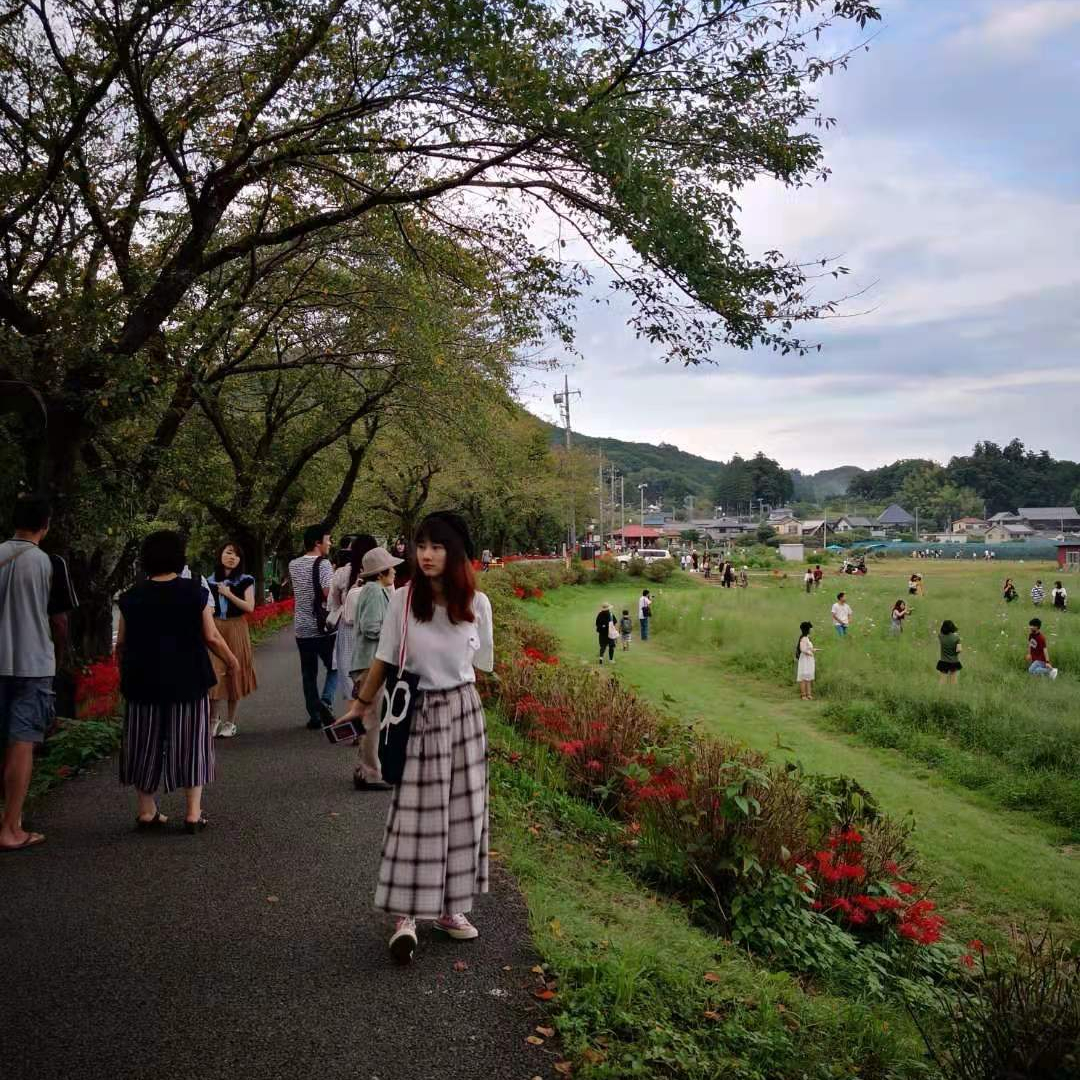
(841, 615)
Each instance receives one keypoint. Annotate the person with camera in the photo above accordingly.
(435, 850)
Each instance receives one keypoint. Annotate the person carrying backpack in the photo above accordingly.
(311, 575)
(626, 628)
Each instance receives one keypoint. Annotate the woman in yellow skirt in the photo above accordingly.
(233, 595)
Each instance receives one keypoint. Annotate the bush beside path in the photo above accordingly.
(251, 949)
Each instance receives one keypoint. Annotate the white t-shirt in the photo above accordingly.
(643, 606)
(444, 655)
(841, 613)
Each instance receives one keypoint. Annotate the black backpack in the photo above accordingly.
(318, 601)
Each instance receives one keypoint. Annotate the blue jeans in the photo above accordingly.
(841, 629)
(644, 624)
(26, 708)
(1038, 667)
(312, 650)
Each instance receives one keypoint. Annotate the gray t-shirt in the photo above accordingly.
(300, 574)
(33, 586)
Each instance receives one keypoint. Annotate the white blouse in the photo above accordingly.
(443, 654)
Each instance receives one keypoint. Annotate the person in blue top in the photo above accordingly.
(232, 592)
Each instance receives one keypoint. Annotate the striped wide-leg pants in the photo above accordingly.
(167, 740)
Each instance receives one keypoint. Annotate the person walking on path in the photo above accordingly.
(744, 578)
(607, 631)
(644, 613)
(435, 852)
(626, 628)
(232, 592)
(345, 580)
(165, 631)
(818, 575)
(706, 565)
(1037, 593)
(1008, 591)
(897, 616)
(35, 597)
(808, 580)
(1038, 657)
(948, 664)
(805, 663)
(485, 560)
(314, 639)
(729, 575)
(1059, 597)
(693, 561)
(841, 615)
(369, 605)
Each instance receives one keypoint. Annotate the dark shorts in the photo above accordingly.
(26, 708)
(946, 667)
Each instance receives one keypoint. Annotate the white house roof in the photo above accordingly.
(1004, 515)
(813, 526)
(1047, 513)
(1018, 529)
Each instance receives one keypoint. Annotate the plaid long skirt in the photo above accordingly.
(167, 740)
(435, 850)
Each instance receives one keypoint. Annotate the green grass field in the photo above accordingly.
(962, 759)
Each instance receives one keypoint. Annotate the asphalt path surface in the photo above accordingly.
(252, 949)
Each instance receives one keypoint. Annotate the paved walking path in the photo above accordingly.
(131, 954)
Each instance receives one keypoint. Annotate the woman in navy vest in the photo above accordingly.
(233, 593)
(166, 630)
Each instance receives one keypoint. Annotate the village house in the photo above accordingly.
(852, 523)
(1005, 533)
(787, 526)
(638, 536)
(718, 528)
(969, 525)
(895, 518)
(814, 527)
(1068, 556)
(1050, 519)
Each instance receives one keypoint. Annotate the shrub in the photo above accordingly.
(635, 567)
(1016, 1016)
(660, 570)
(607, 570)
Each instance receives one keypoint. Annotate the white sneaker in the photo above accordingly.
(227, 731)
(403, 941)
(457, 927)
(215, 731)
(1053, 673)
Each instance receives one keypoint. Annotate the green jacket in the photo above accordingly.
(371, 607)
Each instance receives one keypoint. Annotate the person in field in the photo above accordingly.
(626, 628)
(1038, 656)
(1059, 597)
(899, 613)
(1008, 591)
(605, 622)
(841, 615)
(805, 662)
(1038, 593)
(949, 665)
(808, 579)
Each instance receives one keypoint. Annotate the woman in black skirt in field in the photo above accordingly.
(166, 630)
(948, 664)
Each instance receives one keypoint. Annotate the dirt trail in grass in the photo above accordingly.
(992, 866)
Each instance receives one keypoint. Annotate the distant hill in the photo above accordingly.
(672, 473)
(816, 487)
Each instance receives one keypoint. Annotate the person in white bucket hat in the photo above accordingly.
(371, 603)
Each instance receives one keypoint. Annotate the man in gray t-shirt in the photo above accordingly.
(314, 644)
(35, 596)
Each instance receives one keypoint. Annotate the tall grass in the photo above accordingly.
(1000, 729)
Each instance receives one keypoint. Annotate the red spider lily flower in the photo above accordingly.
(975, 945)
(594, 766)
(851, 836)
(892, 868)
(905, 887)
(574, 746)
(519, 592)
(967, 960)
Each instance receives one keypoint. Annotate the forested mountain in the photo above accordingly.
(817, 487)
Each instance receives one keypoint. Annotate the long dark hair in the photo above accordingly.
(459, 581)
(898, 605)
(948, 627)
(220, 573)
(362, 543)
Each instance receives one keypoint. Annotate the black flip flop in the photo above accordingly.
(195, 826)
(156, 822)
(32, 840)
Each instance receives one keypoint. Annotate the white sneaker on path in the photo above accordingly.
(457, 927)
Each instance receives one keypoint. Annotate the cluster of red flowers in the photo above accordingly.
(968, 958)
(270, 612)
(836, 870)
(524, 594)
(662, 786)
(97, 688)
(538, 656)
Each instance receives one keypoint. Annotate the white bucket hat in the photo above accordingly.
(376, 561)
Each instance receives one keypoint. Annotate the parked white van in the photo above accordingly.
(647, 555)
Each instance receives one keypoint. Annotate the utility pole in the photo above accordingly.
(563, 401)
(601, 490)
(622, 506)
(641, 491)
(614, 473)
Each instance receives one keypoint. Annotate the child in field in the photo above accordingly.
(949, 664)
(897, 617)
(808, 579)
(1037, 656)
(1037, 593)
(1059, 596)
(805, 662)
(1008, 591)
(626, 627)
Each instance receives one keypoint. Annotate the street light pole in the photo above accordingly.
(563, 401)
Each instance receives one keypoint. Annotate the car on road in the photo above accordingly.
(647, 555)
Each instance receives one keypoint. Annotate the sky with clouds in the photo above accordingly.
(955, 200)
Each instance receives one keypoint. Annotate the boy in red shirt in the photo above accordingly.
(1038, 659)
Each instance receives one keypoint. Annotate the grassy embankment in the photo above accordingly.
(724, 660)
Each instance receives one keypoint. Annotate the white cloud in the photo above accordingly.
(1017, 29)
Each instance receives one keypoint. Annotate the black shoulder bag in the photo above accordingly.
(318, 601)
(400, 695)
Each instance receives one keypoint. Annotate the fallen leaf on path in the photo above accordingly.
(271, 899)
(332, 814)
(508, 968)
(712, 1014)
(564, 1068)
(534, 1040)
(461, 965)
(544, 995)
(711, 977)
(537, 970)
(593, 1057)
(547, 1032)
